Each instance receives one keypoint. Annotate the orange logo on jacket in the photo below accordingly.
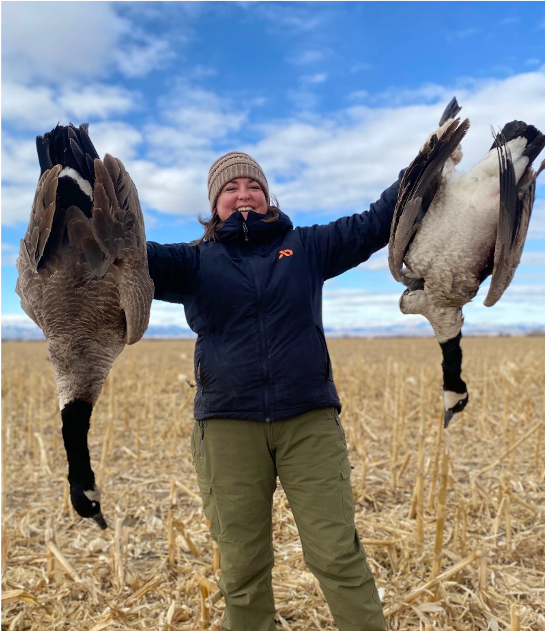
(285, 253)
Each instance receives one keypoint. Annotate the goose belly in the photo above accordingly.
(73, 300)
(85, 327)
(454, 245)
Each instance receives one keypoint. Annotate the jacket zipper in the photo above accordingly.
(245, 230)
(263, 339)
(201, 442)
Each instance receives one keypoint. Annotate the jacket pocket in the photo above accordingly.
(323, 344)
(198, 368)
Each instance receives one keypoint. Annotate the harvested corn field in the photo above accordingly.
(452, 521)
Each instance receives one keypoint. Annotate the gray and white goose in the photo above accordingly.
(452, 230)
(83, 279)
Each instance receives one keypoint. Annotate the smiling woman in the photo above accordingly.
(266, 405)
(236, 183)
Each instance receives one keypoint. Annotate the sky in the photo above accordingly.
(333, 99)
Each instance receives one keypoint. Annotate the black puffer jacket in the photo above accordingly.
(256, 306)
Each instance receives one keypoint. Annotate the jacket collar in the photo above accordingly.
(257, 230)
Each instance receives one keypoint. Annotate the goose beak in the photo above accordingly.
(100, 521)
(446, 418)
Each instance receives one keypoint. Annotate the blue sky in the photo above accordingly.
(331, 98)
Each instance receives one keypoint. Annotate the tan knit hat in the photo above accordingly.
(230, 166)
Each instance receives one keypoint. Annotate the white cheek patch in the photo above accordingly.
(82, 183)
(450, 399)
(93, 495)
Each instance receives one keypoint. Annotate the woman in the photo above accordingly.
(266, 404)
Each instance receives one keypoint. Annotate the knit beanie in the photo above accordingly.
(230, 166)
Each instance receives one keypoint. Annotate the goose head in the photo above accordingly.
(453, 402)
(86, 502)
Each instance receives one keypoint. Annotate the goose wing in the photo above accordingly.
(118, 227)
(516, 202)
(418, 188)
(86, 230)
(34, 242)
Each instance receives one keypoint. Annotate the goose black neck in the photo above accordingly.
(76, 418)
(452, 365)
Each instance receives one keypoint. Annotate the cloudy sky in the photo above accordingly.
(331, 98)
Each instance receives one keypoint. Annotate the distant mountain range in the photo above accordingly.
(19, 329)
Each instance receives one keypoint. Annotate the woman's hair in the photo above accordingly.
(213, 225)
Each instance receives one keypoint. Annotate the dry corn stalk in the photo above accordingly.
(421, 590)
(118, 554)
(440, 521)
(515, 617)
(5, 545)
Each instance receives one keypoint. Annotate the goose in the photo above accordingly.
(451, 230)
(83, 279)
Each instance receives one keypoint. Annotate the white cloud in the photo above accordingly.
(318, 77)
(29, 107)
(471, 31)
(90, 31)
(116, 138)
(359, 67)
(334, 164)
(536, 229)
(533, 259)
(310, 56)
(78, 41)
(337, 163)
(19, 161)
(377, 263)
(352, 308)
(40, 108)
(96, 101)
(16, 203)
(138, 60)
(296, 17)
(345, 309)
(10, 253)
(167, 314)
(174, 191)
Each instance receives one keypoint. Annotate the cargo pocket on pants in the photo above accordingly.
(346, 492)
(209, 507)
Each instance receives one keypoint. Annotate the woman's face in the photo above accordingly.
(242, 194)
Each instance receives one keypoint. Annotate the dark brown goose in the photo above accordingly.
(452, 230)
(83, 278)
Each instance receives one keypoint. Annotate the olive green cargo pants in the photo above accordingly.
(237, 463)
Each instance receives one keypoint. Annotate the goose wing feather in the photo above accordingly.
(451, 111)
(33, 244)
(516, 204)
(417, 189)
(135, 285)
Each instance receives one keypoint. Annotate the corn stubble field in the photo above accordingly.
(452, 521)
